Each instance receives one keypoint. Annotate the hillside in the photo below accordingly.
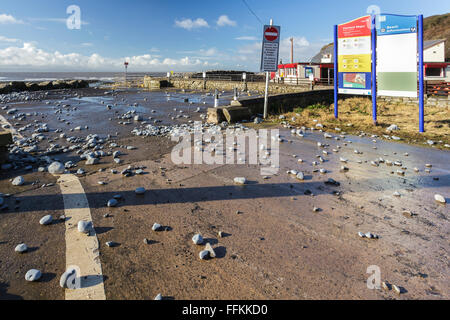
(438, 27)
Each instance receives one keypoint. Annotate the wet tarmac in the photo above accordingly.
(275, 246)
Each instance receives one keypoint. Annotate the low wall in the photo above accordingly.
(280, 103)
(211, 85)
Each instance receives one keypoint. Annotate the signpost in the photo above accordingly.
(269, 56)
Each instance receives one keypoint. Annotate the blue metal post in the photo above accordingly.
(421, 112)
(336, 71)
(374, 70)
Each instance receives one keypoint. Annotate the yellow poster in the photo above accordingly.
(355, 63)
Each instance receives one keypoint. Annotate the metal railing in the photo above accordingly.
(230, 77)
(437, 88)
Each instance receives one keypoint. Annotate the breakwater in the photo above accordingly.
(19, 86)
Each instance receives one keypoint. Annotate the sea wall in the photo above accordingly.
(211, 85)
(18, 86)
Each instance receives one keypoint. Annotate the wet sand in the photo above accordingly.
(275, 248)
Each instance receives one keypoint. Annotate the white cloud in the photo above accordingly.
(303, 51)
(30, 57)
(190, 24)
(246, 38)
(250, 49)
(5, 39)
(225, 21)
(8, 19)
(59, 20)
(87, 44)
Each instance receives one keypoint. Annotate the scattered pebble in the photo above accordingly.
(240, 180)
(21, 248)
(197, 239)
(159, 297)
(33, 275)
(46, 220)
(440, 198)
(18, 181)
(112, 203)
(140, 190)
(204, 254)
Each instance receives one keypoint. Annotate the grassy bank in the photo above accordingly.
(355, 115)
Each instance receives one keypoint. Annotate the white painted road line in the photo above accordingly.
(81, 250)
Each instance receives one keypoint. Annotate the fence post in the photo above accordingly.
(216, 98)
(421, 111)
(374, 70)
(336, 71)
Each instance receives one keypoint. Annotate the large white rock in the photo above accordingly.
(84, 226)
(56, 168)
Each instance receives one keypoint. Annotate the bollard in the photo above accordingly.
(235, 97)
(216, 99)
(204, 80)
(244, 77)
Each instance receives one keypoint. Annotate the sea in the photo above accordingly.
(91, 76)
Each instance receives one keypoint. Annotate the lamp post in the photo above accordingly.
(126, 69)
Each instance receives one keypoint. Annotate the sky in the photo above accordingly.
(172, 35)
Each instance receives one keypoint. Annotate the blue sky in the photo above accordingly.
(173, 35)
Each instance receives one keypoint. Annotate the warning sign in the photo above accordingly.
(270, 48)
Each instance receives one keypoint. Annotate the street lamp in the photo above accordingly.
(126, 68)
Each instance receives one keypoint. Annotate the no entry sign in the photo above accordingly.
(270, 48)
(271, 34)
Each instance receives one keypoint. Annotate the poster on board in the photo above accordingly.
(355, 56)
(397, 56)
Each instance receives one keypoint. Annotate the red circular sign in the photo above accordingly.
(271, 34)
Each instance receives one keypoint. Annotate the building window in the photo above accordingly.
(433, 72)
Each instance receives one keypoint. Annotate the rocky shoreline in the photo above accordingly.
(19, 86)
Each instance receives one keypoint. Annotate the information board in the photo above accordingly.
(354, 56)
(397, 56)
